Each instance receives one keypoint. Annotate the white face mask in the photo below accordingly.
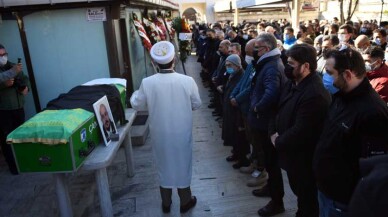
(341, 37)
(245, 37)
(249, 59)
(3, 60)
(378, 41)
(368, 67)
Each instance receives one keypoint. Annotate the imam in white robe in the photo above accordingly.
(170, 99)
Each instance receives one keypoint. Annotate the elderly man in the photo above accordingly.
(362, 43)
(298, 124)
(232, 129)
(12, 93)
(356, 127)
(235, 48)
(170, 99)
(265, 93)
(109, 127)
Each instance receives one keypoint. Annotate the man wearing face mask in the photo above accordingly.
(232, 128)
(235, 38)
(377, 72)
(362, 44)
(295, 130)
(380, 38)
(266, 86)
(12, 93)
(289, 38)
(356, 127)
(240, 98)
(345, 34)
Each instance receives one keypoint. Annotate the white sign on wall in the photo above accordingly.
(95, 14)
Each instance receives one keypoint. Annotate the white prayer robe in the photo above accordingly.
(170, 99)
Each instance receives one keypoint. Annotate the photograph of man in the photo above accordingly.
(105, 119)
(108, 125)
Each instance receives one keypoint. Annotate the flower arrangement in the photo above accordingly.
(182, 28)
(142, 33)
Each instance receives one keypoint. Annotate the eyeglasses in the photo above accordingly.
(4, 55)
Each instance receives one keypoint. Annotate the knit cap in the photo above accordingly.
(235, 59)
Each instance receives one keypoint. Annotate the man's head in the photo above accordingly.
(375, 59)
(234, 48)
(224, 47)
(329, 42)
(104, 117)
(163, 53)
(270, 29)
(3, 55)
(249, 50)
(333, 29)
(379, 36)
(210, 33)
(345, 33)
(302, 33)
(288, 33)
(265, 42)
(347, 68)
(233, 64)
(220, 35)
(260, 27)
(362, 43)
(232, 34)
(303, 60)
(253, 33)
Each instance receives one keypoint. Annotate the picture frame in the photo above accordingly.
(105, 119)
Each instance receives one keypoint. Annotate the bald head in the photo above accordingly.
(270, 29)
(224, 47)
(225, 43)
(362, 42)
(249, 47)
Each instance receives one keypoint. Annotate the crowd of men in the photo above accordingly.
(311, 101)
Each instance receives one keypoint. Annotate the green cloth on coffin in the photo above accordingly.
(50, 127)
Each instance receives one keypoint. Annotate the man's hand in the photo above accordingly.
(9, 83)
(273, 138)
(24, 91)
(220, 89)
(17, 68)
(233, 102)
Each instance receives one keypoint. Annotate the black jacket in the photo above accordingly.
(371, 195)
(299, 121)
(265, 91)
(356, 126)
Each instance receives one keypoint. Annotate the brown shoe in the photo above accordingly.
(189, 205)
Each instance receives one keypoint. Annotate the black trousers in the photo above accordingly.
(303, 185)
(9, 120)
(271, 164)
(184, 195)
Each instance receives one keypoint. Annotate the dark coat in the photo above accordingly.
(299, 121)
(265, 91)
(371, 195)
(230, 113)
(356, 126)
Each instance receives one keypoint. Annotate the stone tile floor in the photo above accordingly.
(220, 190)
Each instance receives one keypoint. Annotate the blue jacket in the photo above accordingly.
(242, 90)
(265, 93)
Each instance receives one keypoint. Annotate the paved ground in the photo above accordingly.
(221, 190)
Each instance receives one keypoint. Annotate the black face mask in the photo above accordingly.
(288, 71)
(256, 56)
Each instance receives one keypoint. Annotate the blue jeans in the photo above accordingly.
(331, 208)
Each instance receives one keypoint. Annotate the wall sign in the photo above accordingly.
(95, 14)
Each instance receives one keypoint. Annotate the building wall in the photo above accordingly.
(199, 7)
(66, 50)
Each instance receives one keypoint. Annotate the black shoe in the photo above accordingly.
(166, 209)
(212, 105)
(271, 209)
(240, 164)
(231, 158)
(189, 205)
(262, 192)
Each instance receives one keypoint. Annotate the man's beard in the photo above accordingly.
(340, 83)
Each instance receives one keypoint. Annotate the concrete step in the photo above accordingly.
(139, 133)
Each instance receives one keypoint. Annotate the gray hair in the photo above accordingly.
(220, 34)
(268, 39)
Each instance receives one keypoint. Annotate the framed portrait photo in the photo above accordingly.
(105, 119)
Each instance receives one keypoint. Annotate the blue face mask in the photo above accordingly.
(229, 70)
(328, 81)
